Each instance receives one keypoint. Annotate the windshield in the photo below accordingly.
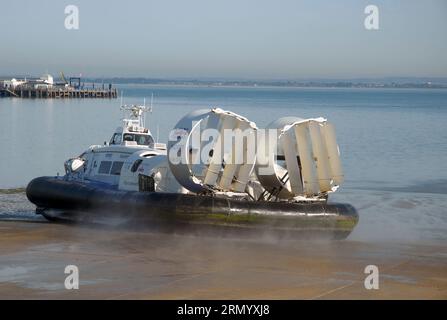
(140, 139)
(116, 139)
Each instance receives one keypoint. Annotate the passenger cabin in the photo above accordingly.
(105, 163)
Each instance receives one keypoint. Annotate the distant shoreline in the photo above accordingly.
(441, 84)
(365, 83)
(273, 86)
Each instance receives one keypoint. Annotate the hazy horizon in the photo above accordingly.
(199, 39)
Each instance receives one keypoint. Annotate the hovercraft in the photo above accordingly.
(218, 171)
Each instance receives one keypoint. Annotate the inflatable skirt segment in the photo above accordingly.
(73, 201)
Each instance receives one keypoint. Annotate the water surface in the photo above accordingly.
(393, 143)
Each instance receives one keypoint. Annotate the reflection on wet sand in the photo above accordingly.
(127, 264)
(147, 264)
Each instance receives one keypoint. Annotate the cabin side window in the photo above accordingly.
(104, 167)
(136, 165)
(116, 168)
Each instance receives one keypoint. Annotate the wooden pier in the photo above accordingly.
(49, 93)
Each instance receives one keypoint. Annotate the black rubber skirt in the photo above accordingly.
(72, 201)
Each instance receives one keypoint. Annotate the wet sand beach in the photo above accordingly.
(139, 264)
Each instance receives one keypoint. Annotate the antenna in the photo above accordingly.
(122, 105)
(143, 115)
(137, 112)
(152, 99)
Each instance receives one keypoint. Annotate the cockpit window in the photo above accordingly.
(129, 137)
(140, 139)
(116, 139)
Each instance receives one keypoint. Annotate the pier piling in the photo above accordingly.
(64, 93)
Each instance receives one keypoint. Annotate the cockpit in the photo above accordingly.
(140, 139)
(133, 131)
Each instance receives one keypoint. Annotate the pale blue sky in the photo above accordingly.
(225, 38)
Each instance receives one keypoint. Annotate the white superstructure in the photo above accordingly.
(130, 161)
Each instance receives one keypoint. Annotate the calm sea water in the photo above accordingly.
(393, 143)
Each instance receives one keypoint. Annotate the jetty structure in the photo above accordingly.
(46, 87)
